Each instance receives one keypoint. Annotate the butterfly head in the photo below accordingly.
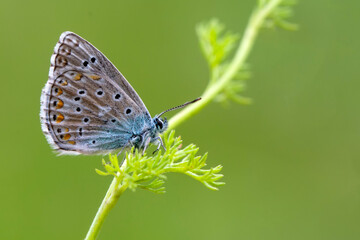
(161, 124)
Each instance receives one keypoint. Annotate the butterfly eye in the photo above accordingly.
(159, 123)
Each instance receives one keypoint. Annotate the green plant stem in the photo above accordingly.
(256, 20)
(245, 46)
(111, 197)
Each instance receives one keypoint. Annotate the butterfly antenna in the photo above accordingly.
(180, 106)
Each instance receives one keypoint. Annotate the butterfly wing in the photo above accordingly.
(87, 106)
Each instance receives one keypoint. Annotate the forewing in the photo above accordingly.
(87, 106)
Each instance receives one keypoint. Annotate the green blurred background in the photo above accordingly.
(291, 159)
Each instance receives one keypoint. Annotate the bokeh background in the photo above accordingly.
(291, 159)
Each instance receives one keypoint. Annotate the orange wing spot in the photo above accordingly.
(66, 130)
(60, 92)
(95, 77)
(59, 118)
(60, 104)
(72, 142)
(67, 137)
(64, 83)
(78, 77)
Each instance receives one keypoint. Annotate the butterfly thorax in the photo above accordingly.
(142, 139)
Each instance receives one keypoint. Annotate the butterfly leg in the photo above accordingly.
(161, 144)
(121, 150)
(146, 144)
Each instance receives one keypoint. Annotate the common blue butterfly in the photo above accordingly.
(88, 107)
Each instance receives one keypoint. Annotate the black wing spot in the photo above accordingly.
(86, 120)
(81, 92)
(55, 103)
(128, 111)
(54, 117)
(93, 141)
(85, 63)
(99, 92)
(117, 96)
(80, 131)
(78, 109)
(93, 59)
(113, 120)
(59, 130)
(77, 98)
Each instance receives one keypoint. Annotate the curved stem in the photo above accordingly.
(245, 46)
(112, 195)
(101, 213)
(115, 190)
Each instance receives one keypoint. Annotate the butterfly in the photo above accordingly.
(88, 107)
